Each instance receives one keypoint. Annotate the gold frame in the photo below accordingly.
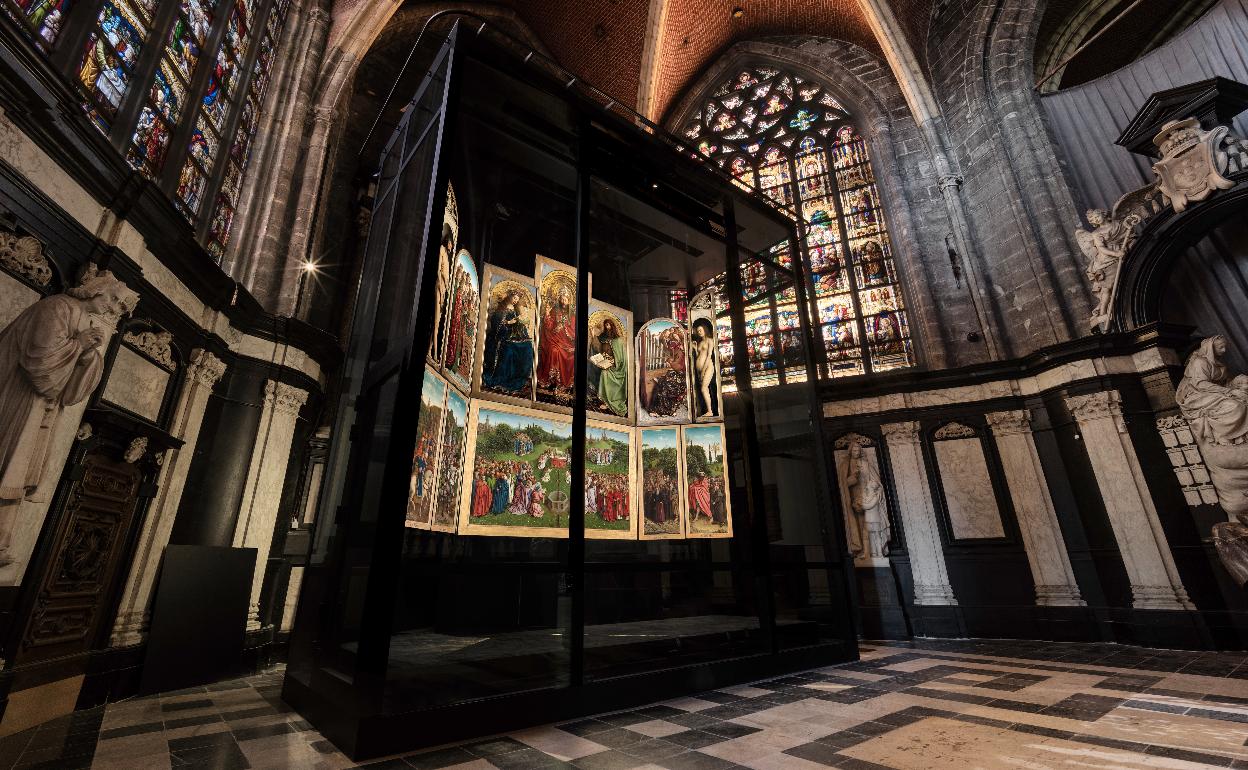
(551, 268)
(678, 418)
(633, 507)
(626, 318)
(466, 525)
(434, 526)
(464, 385)
(429, 371)
(487, 277)
(709, 315)
(682, 498)
(684, 473)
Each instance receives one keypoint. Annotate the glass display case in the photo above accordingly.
(551, 491)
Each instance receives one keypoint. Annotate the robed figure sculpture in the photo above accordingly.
(50, 358)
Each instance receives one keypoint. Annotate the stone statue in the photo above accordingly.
(1104, 246)
(1231, 541)
(869, 528)
(1215, 405)
(49, 359)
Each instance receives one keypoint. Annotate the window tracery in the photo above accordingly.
(792, 140)
(142, 80)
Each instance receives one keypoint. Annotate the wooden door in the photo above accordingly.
(74, 597)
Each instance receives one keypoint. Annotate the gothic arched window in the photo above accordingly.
(177, 87)
(792, 140)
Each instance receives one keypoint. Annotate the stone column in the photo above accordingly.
(1155, 583)
(918, 514)
(262, 496)
(134, 613)
(1033, 507)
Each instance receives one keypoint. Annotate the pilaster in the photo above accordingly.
(133, 616)
(918, 515)
(1033, 508)
(258, 511)
(1155, 583)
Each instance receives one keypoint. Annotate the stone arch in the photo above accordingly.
(1146, 268)
(941, 313)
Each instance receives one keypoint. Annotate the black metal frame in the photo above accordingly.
(345, 693)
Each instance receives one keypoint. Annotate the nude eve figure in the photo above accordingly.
(703, 345)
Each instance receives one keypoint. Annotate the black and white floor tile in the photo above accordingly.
(929, 705)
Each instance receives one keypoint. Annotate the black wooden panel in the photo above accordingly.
(199, 616)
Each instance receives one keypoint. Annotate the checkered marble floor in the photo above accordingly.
(927, 705)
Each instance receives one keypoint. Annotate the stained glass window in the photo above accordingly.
(226, 199)
(42, 19)
(107, 67)
(793, 141)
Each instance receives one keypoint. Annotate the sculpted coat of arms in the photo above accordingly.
(1193, 161)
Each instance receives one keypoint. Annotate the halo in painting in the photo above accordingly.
(610, 371)
(504, 361)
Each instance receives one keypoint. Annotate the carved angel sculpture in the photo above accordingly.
(1104, 246)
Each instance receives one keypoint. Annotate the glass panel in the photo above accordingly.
(681, 590)
(41, 19)
(239, 152)
(483, 605)
(111, 54)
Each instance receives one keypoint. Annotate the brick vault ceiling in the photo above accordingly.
(603, 40)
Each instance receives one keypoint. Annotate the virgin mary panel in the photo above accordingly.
(662, 373)
(504, 362)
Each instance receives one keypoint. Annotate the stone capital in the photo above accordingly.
(901, 432)
(205, 368)
(1009, 423)
(283, 398)
(1095, 406)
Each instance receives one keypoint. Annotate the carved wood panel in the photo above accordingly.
(74, 596)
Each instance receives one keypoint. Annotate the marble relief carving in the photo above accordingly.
(1189, 466)
(1193, 161)
(1194, 165)
(50, 359)
(23, 256)
(157, 345)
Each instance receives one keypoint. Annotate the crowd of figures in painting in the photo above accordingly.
(493, 445)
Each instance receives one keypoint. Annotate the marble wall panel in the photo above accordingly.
(969, 497)
(136, 384)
